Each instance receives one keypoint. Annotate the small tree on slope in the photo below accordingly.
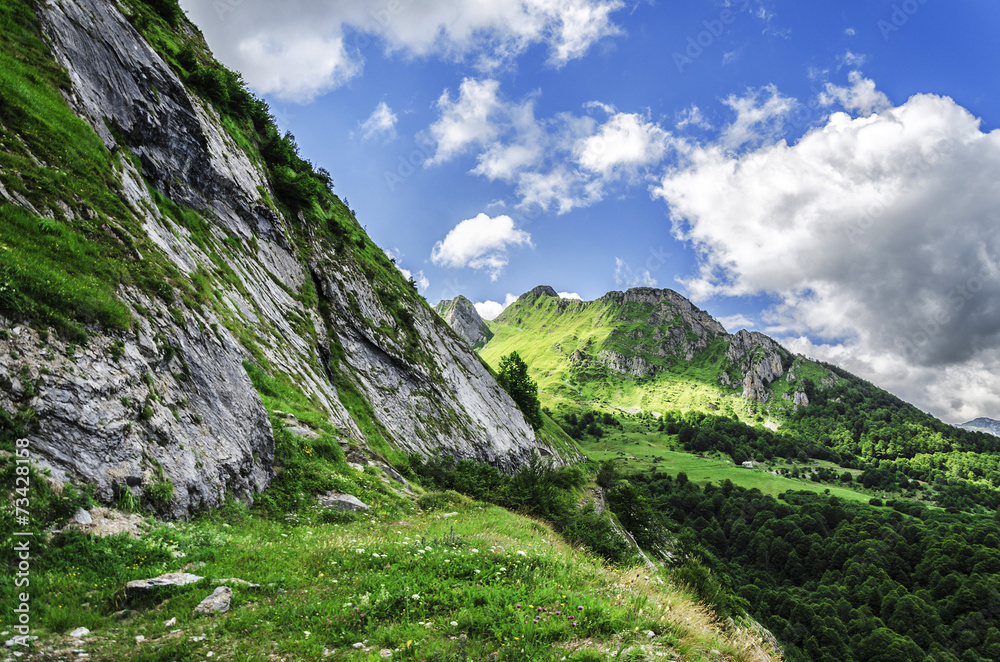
(513, 377)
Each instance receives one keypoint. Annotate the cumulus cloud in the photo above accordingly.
(625, 277)
(624, 144)
(297, 55)
(480, 243)
(468, 120)
(877, 235)
(861, 96)
(381, 123)
(489, 310)
(760, 117)
(570, 295)
(561, 162)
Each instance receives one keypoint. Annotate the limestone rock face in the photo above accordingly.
(169, 400)
(463, 318)
(759, 359)
(432, 393)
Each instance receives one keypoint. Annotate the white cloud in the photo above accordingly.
(382, 122)
(861, 96)
(733, 323)
(297, 53)
(561, 163)
(295, 67)
(480, 243)
(854, 59)
(623, 145)
(878, 237)
(489, 310)
(466, 121)
(523, 150)
(850, 32)
(570, 295)
(760, 116)
(692, 116)
(625, 277)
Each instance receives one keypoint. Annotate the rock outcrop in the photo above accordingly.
(759, 359)
(463, 318)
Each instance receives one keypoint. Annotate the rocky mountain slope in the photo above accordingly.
(462, 316)
(982, 424)
(159, 237)
(648, 349)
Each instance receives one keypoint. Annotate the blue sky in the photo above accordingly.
(827, 173)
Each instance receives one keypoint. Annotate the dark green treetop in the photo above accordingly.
(513, 377)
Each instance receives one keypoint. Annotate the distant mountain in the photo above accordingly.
(982, 424)
(462, 316)
(650, 350)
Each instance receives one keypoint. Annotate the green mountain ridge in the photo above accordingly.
(648, 350)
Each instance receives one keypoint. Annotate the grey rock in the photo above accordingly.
(140, 586)
(463, 318)
(79, 632)
(81, 516)
(759, 358)
(217, 603)
(335, 501)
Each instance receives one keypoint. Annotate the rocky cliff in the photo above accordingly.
(461, 315)
(219, 261)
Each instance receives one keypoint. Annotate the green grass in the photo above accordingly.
(548, 332)
(427, 587)
(647, 452)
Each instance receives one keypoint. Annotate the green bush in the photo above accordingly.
(447, 500)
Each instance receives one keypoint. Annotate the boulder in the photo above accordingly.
(143, 586)
(217, 603)
(341, 502)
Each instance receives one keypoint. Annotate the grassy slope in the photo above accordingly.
(468, 586)
(642, 453)
(548, 332)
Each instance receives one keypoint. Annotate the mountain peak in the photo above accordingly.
(983, 424)
(540, 291)
(461, 315)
